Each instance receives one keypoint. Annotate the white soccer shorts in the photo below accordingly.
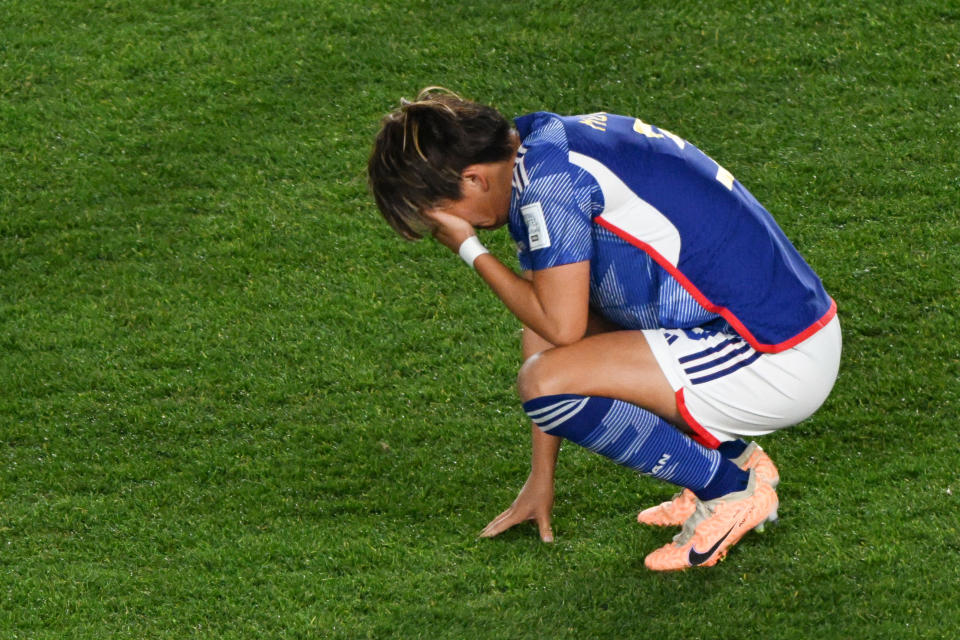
(726, 390)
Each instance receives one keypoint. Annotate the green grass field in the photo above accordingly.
(234, 405)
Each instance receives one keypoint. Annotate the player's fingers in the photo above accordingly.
(500, 524)
(546, 531)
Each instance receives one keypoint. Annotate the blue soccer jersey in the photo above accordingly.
(673, 240)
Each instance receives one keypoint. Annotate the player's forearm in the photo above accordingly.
(520, 297)
(545, 448)
(543, 458)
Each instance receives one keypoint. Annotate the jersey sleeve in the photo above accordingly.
(552, 222)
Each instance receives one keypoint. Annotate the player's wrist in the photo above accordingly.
(471, 249)
(542, 472)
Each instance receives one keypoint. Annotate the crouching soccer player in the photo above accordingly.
(666, 317)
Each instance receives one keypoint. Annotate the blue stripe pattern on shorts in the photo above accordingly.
(731, 354)
(725, 372)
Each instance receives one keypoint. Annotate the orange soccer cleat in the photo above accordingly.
(715, 526)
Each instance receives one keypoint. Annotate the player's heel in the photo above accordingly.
(773, 519)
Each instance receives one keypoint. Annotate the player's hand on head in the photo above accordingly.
(451, 230)
(534, 502)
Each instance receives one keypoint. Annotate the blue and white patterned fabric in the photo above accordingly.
(628, 435)
(673, 240)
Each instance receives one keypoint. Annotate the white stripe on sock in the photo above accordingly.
(558, 406)
(567, 414)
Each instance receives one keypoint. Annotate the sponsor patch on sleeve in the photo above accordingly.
(537, 235)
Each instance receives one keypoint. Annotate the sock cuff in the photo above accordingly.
(732, 448)
(729, 478)
(555, 414)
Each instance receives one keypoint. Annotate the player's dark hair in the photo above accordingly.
(421, 150)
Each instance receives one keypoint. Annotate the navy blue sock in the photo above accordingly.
(632, 437)
(729, 478)
(732, 448)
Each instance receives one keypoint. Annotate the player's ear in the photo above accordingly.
(474, 177)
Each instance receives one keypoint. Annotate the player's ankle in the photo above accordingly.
(729, 478)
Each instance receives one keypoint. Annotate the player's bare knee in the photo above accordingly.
(536, 378)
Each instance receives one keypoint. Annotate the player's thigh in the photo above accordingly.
(618, 364)
(533, 343)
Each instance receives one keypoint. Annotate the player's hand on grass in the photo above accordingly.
(534, 502)
(451, 230)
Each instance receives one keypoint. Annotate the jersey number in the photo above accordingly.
(723, 176)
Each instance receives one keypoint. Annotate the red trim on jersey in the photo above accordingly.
(705, 302)
(700, 434)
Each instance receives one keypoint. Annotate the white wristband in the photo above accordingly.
(471, 249)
